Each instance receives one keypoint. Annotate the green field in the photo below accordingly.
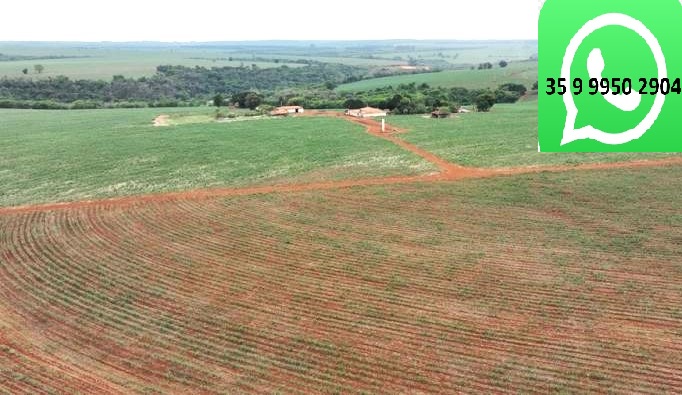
(104, 63)
(506, 136)
(525, 73)
(549, 282)
(452, 53)
(472, 52)
(49, 156)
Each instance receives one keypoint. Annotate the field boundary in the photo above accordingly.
(448, 171)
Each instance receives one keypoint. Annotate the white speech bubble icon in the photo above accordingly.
(589, 132)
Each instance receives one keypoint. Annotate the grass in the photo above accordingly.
(525, 73)
(50, 156)
(507, 136)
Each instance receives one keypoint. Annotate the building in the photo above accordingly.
(440, 114)
(367, 112)
(286, 110)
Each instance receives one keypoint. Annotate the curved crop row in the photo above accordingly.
(412, 288)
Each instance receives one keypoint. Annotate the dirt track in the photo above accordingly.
(448, 172)
(344, 292)
(162, 120)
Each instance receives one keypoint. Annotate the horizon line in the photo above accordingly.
(271, 40)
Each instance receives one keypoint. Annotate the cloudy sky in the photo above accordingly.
(225, 20)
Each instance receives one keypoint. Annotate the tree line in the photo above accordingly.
(311, 86)
(172, 85)
(404, 98)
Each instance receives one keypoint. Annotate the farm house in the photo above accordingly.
(286, 110)
(366, 112)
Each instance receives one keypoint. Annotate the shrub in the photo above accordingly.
(85, 105)
(485, 101)
(505, 96)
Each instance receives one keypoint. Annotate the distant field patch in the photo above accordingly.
(525, 73)
(103, 64)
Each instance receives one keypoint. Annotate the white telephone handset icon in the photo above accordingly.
(595, 67)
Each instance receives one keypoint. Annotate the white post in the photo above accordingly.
(383, 124)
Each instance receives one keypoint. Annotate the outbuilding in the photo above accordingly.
(367, 112)
(286, 110)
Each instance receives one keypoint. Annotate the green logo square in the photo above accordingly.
(609, 76)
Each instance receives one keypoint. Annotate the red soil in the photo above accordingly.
(330, 292)
(185, 292)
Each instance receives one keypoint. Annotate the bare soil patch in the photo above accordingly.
(162, 120)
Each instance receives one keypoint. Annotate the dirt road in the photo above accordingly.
(448, 172)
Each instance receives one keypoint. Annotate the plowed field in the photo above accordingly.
(537, 283)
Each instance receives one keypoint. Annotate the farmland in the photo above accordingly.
(505, 137)
(104, 60)
(524, 72)
(104, 63)
(383, 292)
(319, 254)
(53, 156)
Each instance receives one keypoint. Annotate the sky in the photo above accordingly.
(225, 20)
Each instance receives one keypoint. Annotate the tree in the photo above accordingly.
(460, 95)
(506, 96)
(218, 100)
(354, 103)
(25, 71)
(485, 101)
(39, 68)
(250, 100)
(394, 102)
(503, 63)
(512, 87)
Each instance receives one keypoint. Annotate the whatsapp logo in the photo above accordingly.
(609, 76)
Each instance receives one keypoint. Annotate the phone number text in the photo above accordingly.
(614, 86)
